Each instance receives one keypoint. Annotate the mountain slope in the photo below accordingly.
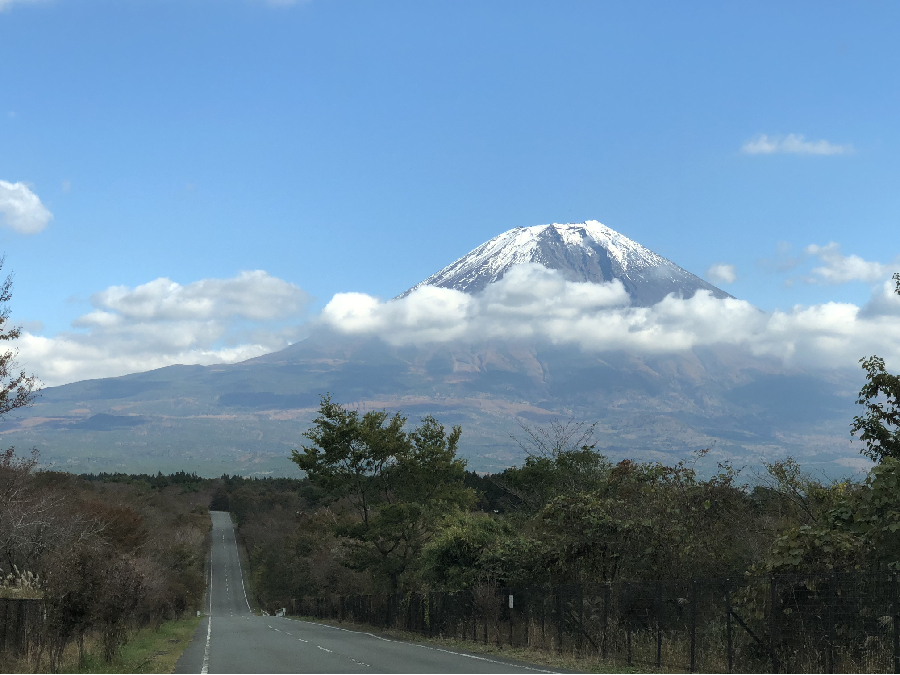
(587, 251)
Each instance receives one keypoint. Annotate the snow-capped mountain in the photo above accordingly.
(587, 251)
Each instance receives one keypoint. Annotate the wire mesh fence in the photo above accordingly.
(828, 623)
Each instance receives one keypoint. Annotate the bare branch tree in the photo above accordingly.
(17, 390)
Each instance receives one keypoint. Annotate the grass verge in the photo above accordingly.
(565, 661)
(148, 651)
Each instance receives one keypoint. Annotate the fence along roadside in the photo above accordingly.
(21, 621)
(837, 622)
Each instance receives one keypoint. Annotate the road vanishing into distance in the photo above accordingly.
(232, 639)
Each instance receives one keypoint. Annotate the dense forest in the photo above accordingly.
(567, 515)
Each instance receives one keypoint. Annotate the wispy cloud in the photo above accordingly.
(783, 260)
(286, 3)
(796, 144)
(721, 273)
(6, 4)
(21, 209)
(839, 268)
(826, 265)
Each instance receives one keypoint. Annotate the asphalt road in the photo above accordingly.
(232, 639)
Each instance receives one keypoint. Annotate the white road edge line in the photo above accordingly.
(481, 658)
(205, 669)
(241, 570)
(346, 630)
(437, 649)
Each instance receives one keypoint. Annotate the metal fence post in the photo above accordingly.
(528, 620)
(604, 651)
(896, 589)
(728, 624)
(832, 598)
(659, 607)
(512, 609)
(628, 643)
(580, 618)
(559, 619)
(693, 668)
(773, 624)
(4, 622)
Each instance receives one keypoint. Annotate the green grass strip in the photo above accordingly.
(148, 651)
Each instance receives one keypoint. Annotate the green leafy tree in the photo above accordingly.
(468, 549)
(560, 459)
(879, 426)
(859, 530)
(648, 521)
(400, 484)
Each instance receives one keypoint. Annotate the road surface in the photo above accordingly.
(231, 639)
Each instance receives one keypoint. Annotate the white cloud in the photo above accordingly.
(252, 295)
(720, 273)
(162, 323)
(797, 144)
(286, 3)
(20, 208)
(227, 320)
(884, 301)
(537, 303)
(839, 269)
(6, 4)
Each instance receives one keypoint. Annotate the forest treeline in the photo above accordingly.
(386, 509)
(105, 554)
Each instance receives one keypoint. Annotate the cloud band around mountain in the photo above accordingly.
(229, 320)
(534, 303)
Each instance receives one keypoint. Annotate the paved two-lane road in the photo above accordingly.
(233, 640)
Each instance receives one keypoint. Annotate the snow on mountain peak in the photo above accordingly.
(588, 251)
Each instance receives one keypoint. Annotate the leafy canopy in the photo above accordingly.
(400, 483)
(879, 426)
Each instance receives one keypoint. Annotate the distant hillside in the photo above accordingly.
(245, 418)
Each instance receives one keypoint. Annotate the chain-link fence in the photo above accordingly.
(840, 622)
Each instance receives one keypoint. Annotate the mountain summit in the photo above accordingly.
(588, 251)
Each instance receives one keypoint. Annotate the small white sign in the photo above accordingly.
(510, 602)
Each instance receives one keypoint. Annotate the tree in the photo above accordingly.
(879, 427)
(401, 484)
(560, 459)
(16, 390)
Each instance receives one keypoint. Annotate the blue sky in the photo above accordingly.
(361, 146)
